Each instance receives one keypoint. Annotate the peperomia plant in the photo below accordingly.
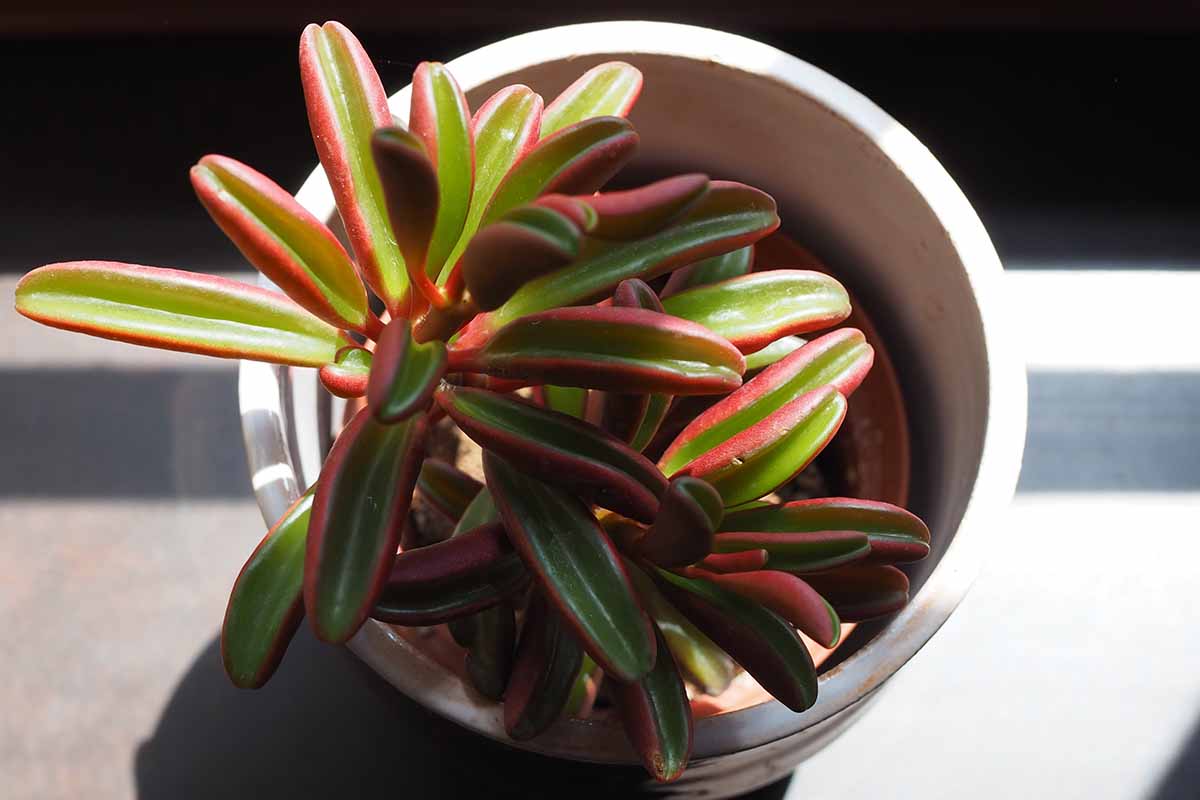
(570, 333)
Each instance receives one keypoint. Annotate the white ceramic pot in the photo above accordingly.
(862, 192)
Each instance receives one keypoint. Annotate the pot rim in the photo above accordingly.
(866, 669)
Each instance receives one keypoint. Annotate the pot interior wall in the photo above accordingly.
(840, 197)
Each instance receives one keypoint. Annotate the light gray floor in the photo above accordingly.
(1070, 670)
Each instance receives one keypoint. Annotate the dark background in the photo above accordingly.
(1067, 125)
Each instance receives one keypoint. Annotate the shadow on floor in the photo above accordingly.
(327, 727)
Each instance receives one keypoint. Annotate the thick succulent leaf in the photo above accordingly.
(480, 511)
(505, 255)
(841, 359)
(740, 561)
(547, 662)
(442, 323)
(600, 347)
(682, 532)
(799, 552)
(447, 488)
(440, 118)
(266, 604)
(896, 535)
(636, 213)
(577, 567)
(578, 159)
(559, 449)
(773, 353)
(657, 717)
(439, 582)
(504, 128)
(789, 597)
(410, 189)
(565, 399)
(608, 89)
(175, 310)
(633, 418)
(346, 104)
(491, 650)
(859, 593)
(728, 217)
(359, 511)
(705, 665)
(761, 641)
(404, 373)
(575, 209)
(710, 270)
(347, 375)
(768, 454)
(751, 311)
(283, 241)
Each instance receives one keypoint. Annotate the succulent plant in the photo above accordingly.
(568, 332)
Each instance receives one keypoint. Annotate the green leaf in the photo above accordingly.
(896, 535)
(359, 511)
(627, 349)
(773, 353)
(547, 661)
(811, 551)
(403, 373)
(704, 664)
(439, 116)
(558, 449)
(447, 488)
(658, 718)
(266, 604)
(728, 217)
(710, 270)
(491, 651)
(577, 566)
(656, 412)
(346, 103)
(767, 455)
(505, 128)
(609, 89)
(565, 399)
(841, 358)
(751, 311)
(283, 241)
(410, 189)
(347, 375)
(175, 310)
(480, 511)
(584, 690)
(762, 642)
(576, 160)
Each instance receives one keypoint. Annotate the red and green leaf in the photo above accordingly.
(504, 129)
(442, 581)
(600, 347)
(440, 118)
(789, 597)
(527, 242)
(547, 663)
(751, 311)
(761, 641)
(727, 217)
(176, 310)
(404, 373)
(491, 649)
(739, 561)
(565, 399)
(773, 353)
(860, 593)
(841, 359)
(578, 159)
(346, 104)
(266, 604)
(577, 567)
(798, 552)
(358, 514)
(896, 535)
(646, 210)
(657, 717)
(710, 270)
(771, 452)
(348, 374)
(608, 89)
(682, 533)
(283, 241)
